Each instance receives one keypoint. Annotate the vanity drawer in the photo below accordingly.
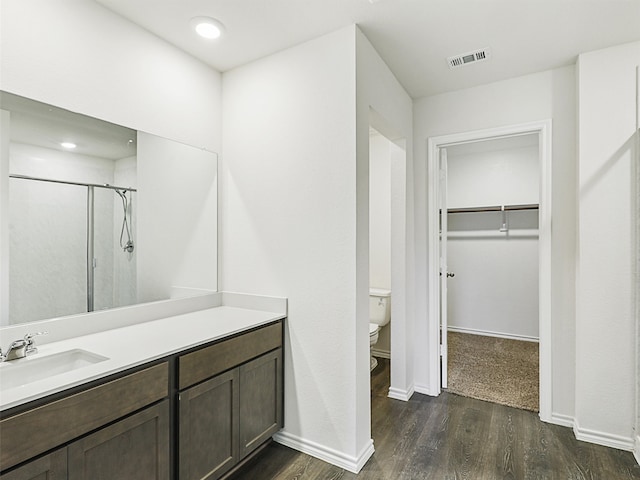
(33, 432)
(209, 361)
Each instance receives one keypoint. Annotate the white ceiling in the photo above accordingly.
(414, 37)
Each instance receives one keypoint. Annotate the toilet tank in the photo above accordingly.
(379, 306)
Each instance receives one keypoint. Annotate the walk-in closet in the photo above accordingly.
(492, 192)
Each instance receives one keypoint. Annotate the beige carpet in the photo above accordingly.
(494, 369)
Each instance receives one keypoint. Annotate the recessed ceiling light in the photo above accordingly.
(207, 27)
(69, 145)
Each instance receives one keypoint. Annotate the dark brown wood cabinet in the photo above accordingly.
(54, 424)
(209, 427)
(49, 467)
(198, 414)
(136, 447)
(230, 414)
(260, 400)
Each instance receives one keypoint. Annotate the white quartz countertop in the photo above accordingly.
(131, 346)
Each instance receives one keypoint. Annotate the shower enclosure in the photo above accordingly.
(72, 247)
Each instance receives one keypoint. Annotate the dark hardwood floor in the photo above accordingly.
(453, 438)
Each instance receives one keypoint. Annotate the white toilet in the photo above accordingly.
(379, 315)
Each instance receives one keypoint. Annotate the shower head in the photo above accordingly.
(128, 245)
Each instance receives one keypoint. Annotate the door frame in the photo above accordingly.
(543, 129)
(443, 266)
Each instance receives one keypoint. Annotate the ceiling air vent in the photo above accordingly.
(468, 58)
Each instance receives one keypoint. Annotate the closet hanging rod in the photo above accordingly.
(494, 208)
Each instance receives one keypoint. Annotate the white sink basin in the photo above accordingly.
(17, 373)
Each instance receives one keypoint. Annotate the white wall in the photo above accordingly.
(385, 105)
(606, 277)
(540, 96)
(494, 172)
(379, 211)
(78, 55)
(295, 223)
(495, 288)
(288, 225)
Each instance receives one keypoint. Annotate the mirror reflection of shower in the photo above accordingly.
(65, 238)
(128, 245)
(70, 238)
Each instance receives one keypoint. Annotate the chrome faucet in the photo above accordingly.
(21, 348)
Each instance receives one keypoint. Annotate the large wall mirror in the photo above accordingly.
(98, 215)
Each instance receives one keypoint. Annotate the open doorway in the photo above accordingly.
(388, 200)
(437, 330)
(380, 293)
(492, 295)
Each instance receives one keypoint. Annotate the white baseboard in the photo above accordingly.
(562, 420)
(399, 394)
(488, 333)
(425, 390)
(636, 450)
(602, 438)
(326, 454)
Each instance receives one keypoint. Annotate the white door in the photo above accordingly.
(444, 272)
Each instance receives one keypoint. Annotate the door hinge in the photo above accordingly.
(440, 350)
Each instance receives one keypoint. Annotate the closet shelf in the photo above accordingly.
(494, 208)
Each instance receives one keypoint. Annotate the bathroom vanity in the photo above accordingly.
(191, 397)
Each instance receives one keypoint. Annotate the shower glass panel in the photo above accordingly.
(72, 249)
(48, 244)
(115, 264)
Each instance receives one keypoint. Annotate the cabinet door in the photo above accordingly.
(208, 442)
(135, 448)
(49, 467)
(260, 400)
